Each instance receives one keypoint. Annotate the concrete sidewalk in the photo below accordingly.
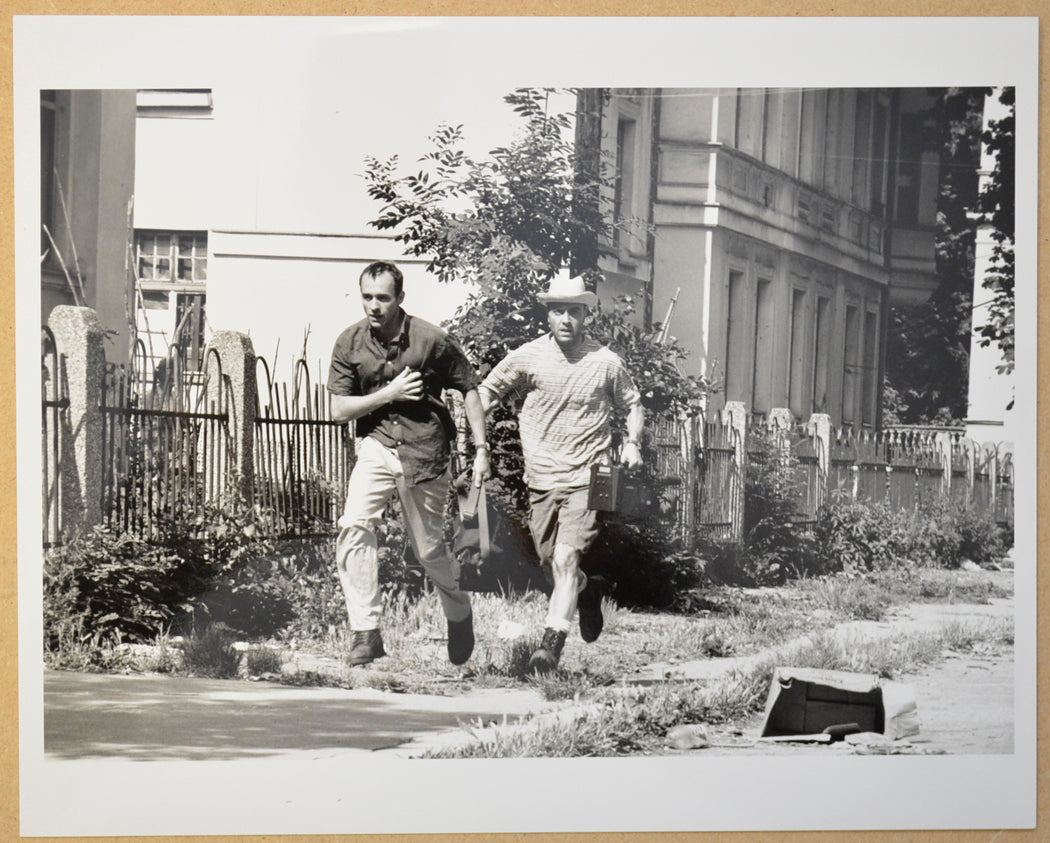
(166, 718)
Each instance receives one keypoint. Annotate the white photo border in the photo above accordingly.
(60, 798)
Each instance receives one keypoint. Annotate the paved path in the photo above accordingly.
(96, 716)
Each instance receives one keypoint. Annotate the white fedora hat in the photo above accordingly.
(564, 290)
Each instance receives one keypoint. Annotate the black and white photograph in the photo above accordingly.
(476, 425)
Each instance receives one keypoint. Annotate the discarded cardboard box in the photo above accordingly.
(806, 701)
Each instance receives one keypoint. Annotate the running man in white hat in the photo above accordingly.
(570, 384)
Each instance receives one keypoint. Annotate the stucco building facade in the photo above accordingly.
(781, 224)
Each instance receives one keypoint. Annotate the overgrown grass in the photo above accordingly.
(988, 636)
(734, 622)
(906, 584)
(851, 597)
(74, 649)
(625, 720)
(211, 653)
(262, 660)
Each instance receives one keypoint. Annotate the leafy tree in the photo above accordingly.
(506, 225)
(927, 355)
(996, 204)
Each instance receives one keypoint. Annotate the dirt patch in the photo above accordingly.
(965, 702)
(965, 705)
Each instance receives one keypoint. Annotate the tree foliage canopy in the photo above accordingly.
(928, 346)
(996, 204)
(506, 225)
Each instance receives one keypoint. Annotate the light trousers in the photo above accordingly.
(376, 476)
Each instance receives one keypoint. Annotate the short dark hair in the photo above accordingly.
(377, 268)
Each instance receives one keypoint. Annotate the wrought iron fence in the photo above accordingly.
(165, 442)
(302, 458)
(674, 475)
(169, 446)
(54, 428)
(903, 469)
(720, 485)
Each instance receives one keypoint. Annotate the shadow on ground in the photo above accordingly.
(174, 719)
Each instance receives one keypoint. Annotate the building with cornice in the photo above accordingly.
(776, 226)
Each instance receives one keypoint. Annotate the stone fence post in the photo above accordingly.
(943, 446)
(236, 391)
(78, 340)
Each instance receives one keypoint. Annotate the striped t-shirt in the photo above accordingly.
(569, 400)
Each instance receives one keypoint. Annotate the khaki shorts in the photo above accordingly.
(561, 516)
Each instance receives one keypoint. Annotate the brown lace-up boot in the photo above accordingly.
(366, 646)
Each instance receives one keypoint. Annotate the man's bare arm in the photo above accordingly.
(632, 449)
(473, 407)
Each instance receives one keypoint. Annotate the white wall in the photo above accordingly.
(283, 154)
(276, 288)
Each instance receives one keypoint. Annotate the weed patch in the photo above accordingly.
(211, 653)
(853, 598)
(262, 660)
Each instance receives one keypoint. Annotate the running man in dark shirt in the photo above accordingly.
(387, 373)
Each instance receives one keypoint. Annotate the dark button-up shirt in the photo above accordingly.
(422, 430)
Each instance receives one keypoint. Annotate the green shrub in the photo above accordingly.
(648, 569)
(775, 545)
(105, 583)
(945, 533)
(860, 537)
(314, 595)
(244, 583)
(209, 567)
(980, 538)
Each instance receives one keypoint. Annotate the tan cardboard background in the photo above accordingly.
(812, 8)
